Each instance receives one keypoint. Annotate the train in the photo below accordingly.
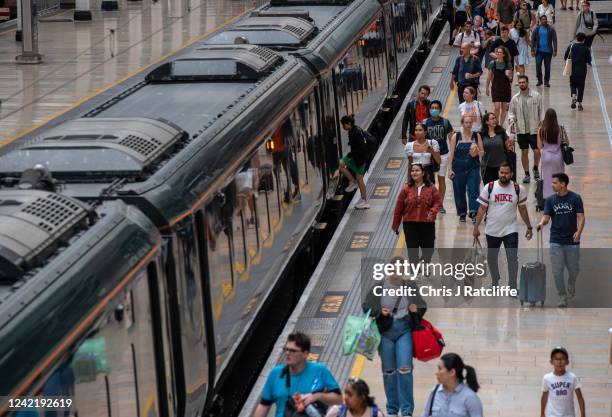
(147, 237)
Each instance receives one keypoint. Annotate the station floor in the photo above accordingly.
(509, 347)
(82, 59)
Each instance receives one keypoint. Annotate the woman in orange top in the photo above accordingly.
(417, 206)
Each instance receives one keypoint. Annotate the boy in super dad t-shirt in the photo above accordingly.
(558, 388)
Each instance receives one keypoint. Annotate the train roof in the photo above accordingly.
(58, 268)
(171, 138)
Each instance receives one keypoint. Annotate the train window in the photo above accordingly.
(247, 183)
(190, 299)
(219, 256)
(265, 195)
(363, 70)
(115, 365)
(330, 128)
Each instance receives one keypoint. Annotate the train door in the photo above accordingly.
(191, 317)
(114, 369)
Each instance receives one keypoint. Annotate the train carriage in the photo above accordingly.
(231, 150)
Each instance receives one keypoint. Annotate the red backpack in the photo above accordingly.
(427, 342)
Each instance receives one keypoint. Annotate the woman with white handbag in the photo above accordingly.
(577, 57)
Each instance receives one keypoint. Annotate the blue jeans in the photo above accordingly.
(564, 256)
(510, 245)
(396, 356)
(467, 176)
(545, 57)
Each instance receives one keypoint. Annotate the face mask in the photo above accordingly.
(434, 112)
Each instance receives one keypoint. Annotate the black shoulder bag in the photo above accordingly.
(433, 397)
(566, 150)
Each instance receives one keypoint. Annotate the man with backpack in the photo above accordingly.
(441, 130)
(466, 72)
(467, 35)
(353, 165)
(586, 22)
(417, 111)
(499, 201)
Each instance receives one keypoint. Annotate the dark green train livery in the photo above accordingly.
(143, 234)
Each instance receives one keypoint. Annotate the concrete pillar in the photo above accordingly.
(82, 11)
(18, 32)
(29, 27)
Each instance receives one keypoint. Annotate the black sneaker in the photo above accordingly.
(573, 106)
(547, 85)
(526, 179)
(462, 218)
(580, 108)
(539, 83)
(570, 8)
(536, 174)
(442, 210)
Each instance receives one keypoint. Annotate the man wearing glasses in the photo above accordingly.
(312, 381)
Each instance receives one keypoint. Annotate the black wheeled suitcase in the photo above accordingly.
(532, 285)
(539, 195)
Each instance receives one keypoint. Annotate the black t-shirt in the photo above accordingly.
(510, 44)
(563, 213)
(359, 146)
(439, 130)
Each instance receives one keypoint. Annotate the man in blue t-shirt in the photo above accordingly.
(544, 48)
(312, 381)
(566, 211)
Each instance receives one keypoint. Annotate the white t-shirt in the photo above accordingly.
(423, 158)
(473, 110)
(502, 206)
(548, 11)
(473, 38)
(560, 393)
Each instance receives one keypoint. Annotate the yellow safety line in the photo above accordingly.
(119, 81)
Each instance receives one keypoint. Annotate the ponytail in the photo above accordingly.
(470, 378)
(452, 361)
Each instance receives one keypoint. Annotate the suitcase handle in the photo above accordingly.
(540, 246)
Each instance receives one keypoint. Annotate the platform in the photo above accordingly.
(83, 59)
(509, 347)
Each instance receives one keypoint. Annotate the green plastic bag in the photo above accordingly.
(361, 335)
(90, 360)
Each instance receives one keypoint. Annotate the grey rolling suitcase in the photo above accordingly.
(532, 285)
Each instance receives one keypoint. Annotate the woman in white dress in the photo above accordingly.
(521, 37)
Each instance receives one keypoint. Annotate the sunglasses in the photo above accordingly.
(289, 350)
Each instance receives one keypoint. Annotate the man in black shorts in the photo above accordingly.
(526, 111)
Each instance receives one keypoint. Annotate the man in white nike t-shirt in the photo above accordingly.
(558, 388)
(499, 201)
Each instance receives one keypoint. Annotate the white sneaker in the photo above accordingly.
(562, 302)
(351, 187)
(362, 204)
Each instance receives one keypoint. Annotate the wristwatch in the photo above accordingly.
(529, 228)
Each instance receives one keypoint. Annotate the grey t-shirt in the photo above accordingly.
(389, 302)
(494, 149)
